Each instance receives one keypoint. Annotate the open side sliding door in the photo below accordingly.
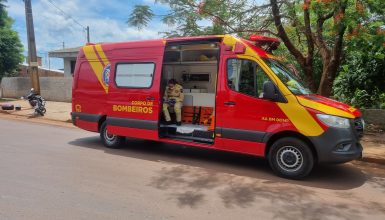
(134, 93)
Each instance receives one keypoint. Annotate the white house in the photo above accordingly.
(69, 57)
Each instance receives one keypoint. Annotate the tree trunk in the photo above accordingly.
(307, 68)
(329, 73)
(325, 85)
(306, 62)
(330, 55)
(309, 79)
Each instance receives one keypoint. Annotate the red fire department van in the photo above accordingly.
(237, 97)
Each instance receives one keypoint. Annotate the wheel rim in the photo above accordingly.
(109, 137)
(289, 158)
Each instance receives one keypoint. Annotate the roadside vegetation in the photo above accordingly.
(338, 46)
(11, 49)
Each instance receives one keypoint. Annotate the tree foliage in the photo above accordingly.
(11, 48)
(140, 16)
(225, 16)
(3, 14)
(361, 81)
(313, 32)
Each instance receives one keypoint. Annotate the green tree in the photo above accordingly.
(5, 20)
(362, 74)
(312, 31)
(140, 16)
(11, 48)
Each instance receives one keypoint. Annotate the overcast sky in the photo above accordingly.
(106, 19)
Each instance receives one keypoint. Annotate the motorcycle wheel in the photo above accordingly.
(38, 112)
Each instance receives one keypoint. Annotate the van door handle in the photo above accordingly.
(229, 103)
(150, 98)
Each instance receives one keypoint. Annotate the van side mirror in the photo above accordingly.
(270, 91)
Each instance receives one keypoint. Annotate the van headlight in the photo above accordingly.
(334, 121)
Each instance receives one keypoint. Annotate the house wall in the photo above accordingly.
(52, 88)
(23, 72)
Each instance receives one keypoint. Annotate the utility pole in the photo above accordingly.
(88, 34)
(32, 58)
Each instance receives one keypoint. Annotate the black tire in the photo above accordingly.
(291, 158)
(110, 141)
(41, 112)
(7, 107)
(38, 112)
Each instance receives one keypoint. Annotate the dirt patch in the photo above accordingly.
(377, 138)
(36, 120)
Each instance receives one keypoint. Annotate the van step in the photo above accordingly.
(190, 138)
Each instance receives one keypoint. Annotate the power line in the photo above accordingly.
(84, 28)
(65, 14)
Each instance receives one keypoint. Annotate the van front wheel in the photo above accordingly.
(291, 158)
(110, 140)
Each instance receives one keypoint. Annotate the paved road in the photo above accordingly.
(53, 172)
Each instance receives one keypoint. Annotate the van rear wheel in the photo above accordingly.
(291, 158)
(110, 140)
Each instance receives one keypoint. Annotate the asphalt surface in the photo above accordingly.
(54, 172)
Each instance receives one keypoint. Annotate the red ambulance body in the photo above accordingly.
(238, 98)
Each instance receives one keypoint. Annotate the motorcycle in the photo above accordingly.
(36, 101)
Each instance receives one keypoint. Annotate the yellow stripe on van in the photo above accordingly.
(324, 108)
(95, 64)
(300, 117)
(102, 55)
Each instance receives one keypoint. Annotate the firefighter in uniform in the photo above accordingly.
(173, 97)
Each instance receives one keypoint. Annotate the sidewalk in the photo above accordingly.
(56, 111)
(373, 142)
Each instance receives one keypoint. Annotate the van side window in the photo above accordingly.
(246, 76)
(134, 75)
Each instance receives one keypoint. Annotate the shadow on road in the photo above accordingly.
(335, 177)
(195, 176)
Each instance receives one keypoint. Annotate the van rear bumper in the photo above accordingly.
(73, 118)
(86, 121)
(337, 145)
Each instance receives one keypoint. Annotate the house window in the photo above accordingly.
(73, 63)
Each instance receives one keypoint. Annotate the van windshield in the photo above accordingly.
(293, 83)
